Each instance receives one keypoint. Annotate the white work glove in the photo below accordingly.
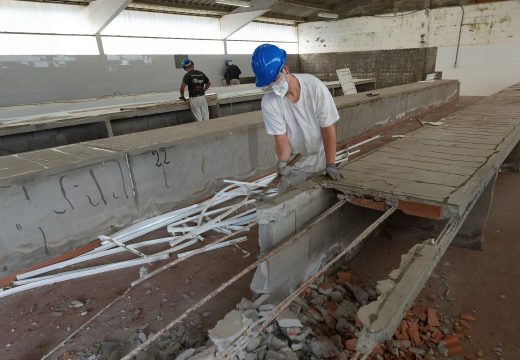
(332, 172)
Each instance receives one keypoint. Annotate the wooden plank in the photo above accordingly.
(408, 173)
(435, 166)
(428, 156)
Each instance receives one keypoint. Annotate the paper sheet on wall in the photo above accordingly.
(345, 79)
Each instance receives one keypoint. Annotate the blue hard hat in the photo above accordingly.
(186, 62)
(267, 62)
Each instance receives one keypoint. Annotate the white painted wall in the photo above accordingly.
(489, 52)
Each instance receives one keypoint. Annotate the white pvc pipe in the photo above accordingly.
(364, 142)
(82, 273)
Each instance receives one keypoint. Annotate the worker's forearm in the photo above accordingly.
(206, 87)
(328, 135)
(282, 147)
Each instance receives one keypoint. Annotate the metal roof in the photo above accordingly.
(286, 11)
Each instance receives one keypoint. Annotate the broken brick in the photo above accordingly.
(437, 335)
(433, 320)
(467, 317)
(455, 350)
(451, 340)
(345, 277)
(404, 327)
(414, 333)
(351, 344)
(458, 328)
(464, 324)
(331, 307)
(419, 312)
(480, 354)
(325, 286)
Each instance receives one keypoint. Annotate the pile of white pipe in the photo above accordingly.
(186, 227)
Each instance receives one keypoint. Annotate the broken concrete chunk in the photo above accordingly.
(249, 317)
(323, 348)
(245, 304)
(227, 330)
(273, 355)
(266, 307)
(288, 319)
(185, 354)
(76, 304)
(346, 310)
(253, 343)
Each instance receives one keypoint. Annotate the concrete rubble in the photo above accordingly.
(320, 324)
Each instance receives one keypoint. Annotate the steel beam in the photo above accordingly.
(240, 17)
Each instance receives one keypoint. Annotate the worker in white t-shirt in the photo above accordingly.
(299, 111)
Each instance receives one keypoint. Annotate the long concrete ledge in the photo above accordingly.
(56, 199)
(40, 126)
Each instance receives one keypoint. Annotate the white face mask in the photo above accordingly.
(280, 87)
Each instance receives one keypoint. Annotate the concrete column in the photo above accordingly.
(512, 162)
(471, 234)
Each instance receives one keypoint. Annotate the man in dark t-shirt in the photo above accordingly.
(197, 83)
(232, 74)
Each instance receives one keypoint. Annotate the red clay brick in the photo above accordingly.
(419, 312)
(451, 340)
(455, 350)
(467, 317)
(351, 344)
(325, 286)
(433, 320)
(464, 324)
(331, 307)
(345, 277)
(458, 328)
(437, 335)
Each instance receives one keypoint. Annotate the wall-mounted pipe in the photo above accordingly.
(460, 32)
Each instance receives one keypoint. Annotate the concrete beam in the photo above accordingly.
(101, 12)
(240, 17)
(380, 318)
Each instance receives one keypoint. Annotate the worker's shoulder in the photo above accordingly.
(270, 101)
(308, 79)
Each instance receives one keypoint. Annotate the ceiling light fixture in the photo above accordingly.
(328, 15)
(239, 3)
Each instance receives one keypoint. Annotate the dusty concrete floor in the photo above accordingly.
(29, 328)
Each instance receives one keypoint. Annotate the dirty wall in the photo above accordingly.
(488, 49)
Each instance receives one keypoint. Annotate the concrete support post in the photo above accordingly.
(471, 234)
(512, 162)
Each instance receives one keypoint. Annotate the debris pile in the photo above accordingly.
(322, 324)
